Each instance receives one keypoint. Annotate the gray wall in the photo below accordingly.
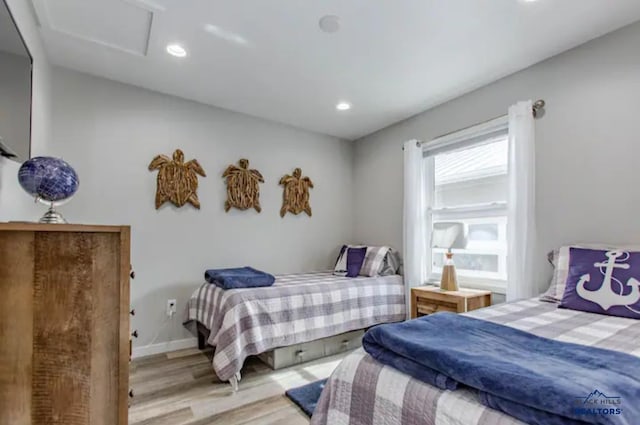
(110, 132)
(587, 147)
(14, 203)
(15, 102)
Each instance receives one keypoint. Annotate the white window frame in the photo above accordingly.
(494, 281)
(454, 141)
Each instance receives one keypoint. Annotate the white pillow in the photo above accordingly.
(340, 269)
(374, 260)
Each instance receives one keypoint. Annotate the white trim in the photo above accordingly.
(164, 347)
(468, 136)
(41, 8)
(493, 285)
(492, 207)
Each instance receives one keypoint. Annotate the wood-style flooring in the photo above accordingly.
(180, 388)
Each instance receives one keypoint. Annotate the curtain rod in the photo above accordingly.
(538, 106)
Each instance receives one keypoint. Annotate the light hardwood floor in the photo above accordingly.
(180, 388)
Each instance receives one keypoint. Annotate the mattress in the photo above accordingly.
(297, 308)
(362, 391)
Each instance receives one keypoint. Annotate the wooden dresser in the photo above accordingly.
(64, 324)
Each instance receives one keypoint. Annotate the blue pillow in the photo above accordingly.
(355, 259)
(604, 282)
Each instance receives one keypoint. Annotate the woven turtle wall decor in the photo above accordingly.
(243, 187)
(177, 181)
(296, 193)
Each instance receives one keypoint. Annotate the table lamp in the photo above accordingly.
(449, 236)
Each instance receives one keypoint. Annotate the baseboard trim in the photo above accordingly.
(164, 347)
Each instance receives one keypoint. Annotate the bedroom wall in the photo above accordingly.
(587, 147)
(15, 101)
(110, 132)
(14, 203)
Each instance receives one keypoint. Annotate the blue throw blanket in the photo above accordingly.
(537, 380)
(241, 277)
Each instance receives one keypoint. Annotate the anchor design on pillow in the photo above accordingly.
(605, 295)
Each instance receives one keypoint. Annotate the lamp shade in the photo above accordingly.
(450, 235)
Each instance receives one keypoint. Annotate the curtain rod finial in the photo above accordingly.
(538, 106)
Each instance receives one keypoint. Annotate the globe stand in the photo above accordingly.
(52, 217)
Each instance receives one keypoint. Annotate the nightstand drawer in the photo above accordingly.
(426, 306)
(431, 299)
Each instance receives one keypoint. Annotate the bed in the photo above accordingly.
(363, 391)
(296, 309)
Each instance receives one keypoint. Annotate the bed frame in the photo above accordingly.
(203, 336)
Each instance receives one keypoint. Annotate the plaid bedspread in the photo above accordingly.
(297, 308)
(362, 391)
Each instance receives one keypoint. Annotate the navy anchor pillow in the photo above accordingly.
(604, 282)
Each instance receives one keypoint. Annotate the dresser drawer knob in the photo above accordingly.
(134, 333)
(130, 393)
(345, 343)
(133, 312)
(300, 353)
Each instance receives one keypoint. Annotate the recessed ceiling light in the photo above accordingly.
(329, 23)
(176, 50)
(343, 106)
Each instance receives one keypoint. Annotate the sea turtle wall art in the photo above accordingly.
(295, 197)
(243, 186)
(177, 180)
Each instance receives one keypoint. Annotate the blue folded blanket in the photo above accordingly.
(241, 277)
(534, 379)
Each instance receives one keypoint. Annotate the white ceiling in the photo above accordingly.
(268, 58)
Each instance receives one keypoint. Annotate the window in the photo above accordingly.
(467, 182)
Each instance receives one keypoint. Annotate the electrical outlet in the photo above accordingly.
(171, 307)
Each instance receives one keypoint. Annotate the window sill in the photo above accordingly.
(495, 286)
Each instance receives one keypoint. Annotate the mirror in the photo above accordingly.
(15, 89)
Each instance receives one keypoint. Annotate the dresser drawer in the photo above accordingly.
(344, 342)
(282, 357)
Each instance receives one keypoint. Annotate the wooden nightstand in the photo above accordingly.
(431, 299)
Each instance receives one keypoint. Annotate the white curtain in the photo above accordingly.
(521, 226)
(416, 229)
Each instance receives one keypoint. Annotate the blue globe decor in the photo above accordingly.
(51, 181)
